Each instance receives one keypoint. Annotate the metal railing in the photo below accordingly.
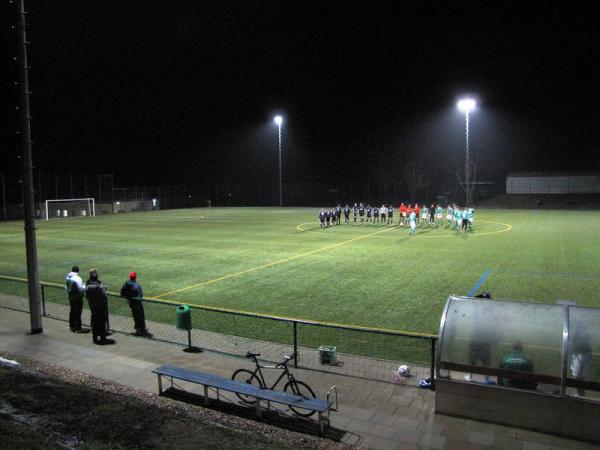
(364, 352)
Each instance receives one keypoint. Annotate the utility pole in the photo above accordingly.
(33, 277)
(3, 197)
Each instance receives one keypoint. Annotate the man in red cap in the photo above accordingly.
(132, 291)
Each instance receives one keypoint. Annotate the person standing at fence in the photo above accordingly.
(132, 291)
(75, 292)
(98, 300)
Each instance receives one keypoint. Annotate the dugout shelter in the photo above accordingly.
(523, 364)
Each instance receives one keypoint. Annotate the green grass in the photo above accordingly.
(368, 275)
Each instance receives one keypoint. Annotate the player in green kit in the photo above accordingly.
(412, 220)
(457, 218)
(470, 216)
(439, 211)
(425, 216)
(449, 214)
(463, 220)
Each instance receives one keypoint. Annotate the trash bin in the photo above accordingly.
(327, 355)
(184, 318)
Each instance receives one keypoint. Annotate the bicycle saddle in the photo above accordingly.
(251, 355)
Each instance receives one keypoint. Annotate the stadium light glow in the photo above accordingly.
(466, 105)
(279, 120)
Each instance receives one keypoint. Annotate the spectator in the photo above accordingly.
(132, 291)
(98, 300)
(75, 292)
(582, 354)
(516, 360)
(480, 345)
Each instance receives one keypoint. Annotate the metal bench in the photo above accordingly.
(260, 394)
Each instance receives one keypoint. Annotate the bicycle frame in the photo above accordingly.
(282, 366)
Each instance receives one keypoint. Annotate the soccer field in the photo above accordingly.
(278, 261)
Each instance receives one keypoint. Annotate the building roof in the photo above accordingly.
(581, 173)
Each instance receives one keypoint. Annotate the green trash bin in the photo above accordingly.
(184, 318)
(328, 355)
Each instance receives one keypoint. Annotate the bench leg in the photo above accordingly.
(258, 410)
(159, 383)
(206, 394)
(321, 421)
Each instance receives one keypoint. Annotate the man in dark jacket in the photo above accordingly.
(98, 301)
(132, 291)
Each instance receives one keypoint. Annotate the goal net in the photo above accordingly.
(68, 207)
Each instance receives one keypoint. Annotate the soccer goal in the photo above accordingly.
(68, 207)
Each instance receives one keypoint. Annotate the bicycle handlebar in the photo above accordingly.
(286, 358)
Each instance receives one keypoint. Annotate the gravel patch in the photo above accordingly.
(71, 409)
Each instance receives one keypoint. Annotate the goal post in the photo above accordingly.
(69, 207)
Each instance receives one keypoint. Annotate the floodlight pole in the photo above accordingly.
(467, 185)
(280, 184)
(278, 120)
(4, 215)
(33, 277)
(467, 105)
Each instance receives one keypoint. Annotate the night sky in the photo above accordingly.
(185, 91)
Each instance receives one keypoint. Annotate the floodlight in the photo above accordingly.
(466, 105)
(278, 120)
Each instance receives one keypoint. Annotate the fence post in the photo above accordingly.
(43, 301)
(432, 368)
(295, 344)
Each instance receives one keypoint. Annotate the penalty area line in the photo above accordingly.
(272, 263)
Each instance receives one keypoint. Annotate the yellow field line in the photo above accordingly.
(273, 263)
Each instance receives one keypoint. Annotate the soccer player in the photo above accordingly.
(425, 212)
(328, 215)
(470, 216)
(449, 214)
(384, 211)
(417, 211)
(375, 214)
(355, 211)
(369, 211)
(402, 219)
(390, 214)
(439, 212)
(361, 212)
(457, 221)
(338, 214)
(409, 209)
(346, 214)
(412, 220)
(432, 215)
(322, 217)
(464, 220)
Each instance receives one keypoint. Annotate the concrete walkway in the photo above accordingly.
(373, 414)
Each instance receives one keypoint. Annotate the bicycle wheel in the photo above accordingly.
(245, 376)
(300, 388)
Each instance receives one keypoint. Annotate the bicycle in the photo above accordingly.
(256, 378)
